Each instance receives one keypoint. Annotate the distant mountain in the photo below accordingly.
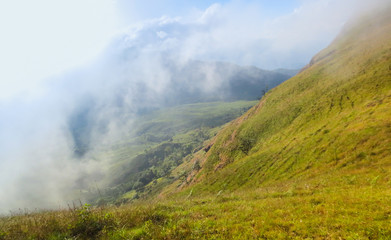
(191, 82)
(285, 71)
(199, 81)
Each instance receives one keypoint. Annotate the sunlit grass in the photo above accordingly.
(311, 161)
(276, 212)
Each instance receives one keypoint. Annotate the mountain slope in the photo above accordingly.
(312, 160)
(331, 118)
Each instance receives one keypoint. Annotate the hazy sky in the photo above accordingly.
(138, 9)
(42, 38)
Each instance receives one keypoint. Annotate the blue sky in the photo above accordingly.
(157, 8)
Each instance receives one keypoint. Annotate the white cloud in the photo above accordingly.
(43, 37)
(161, 34)
(241, 32)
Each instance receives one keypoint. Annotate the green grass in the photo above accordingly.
(311, 161)
(305, 211)
(334, 117)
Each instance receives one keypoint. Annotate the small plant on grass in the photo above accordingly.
(90, 224)
(2, 235)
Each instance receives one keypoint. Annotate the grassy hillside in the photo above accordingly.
(155, 145)
(312, 160)
(331, 119)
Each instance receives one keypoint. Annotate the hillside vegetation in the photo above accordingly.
(333, 118)
(312, 160)
(157, 143)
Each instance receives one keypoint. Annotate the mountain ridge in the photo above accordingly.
(340, 82)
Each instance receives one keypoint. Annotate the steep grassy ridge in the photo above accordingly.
(334, 118)
(311, 161)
